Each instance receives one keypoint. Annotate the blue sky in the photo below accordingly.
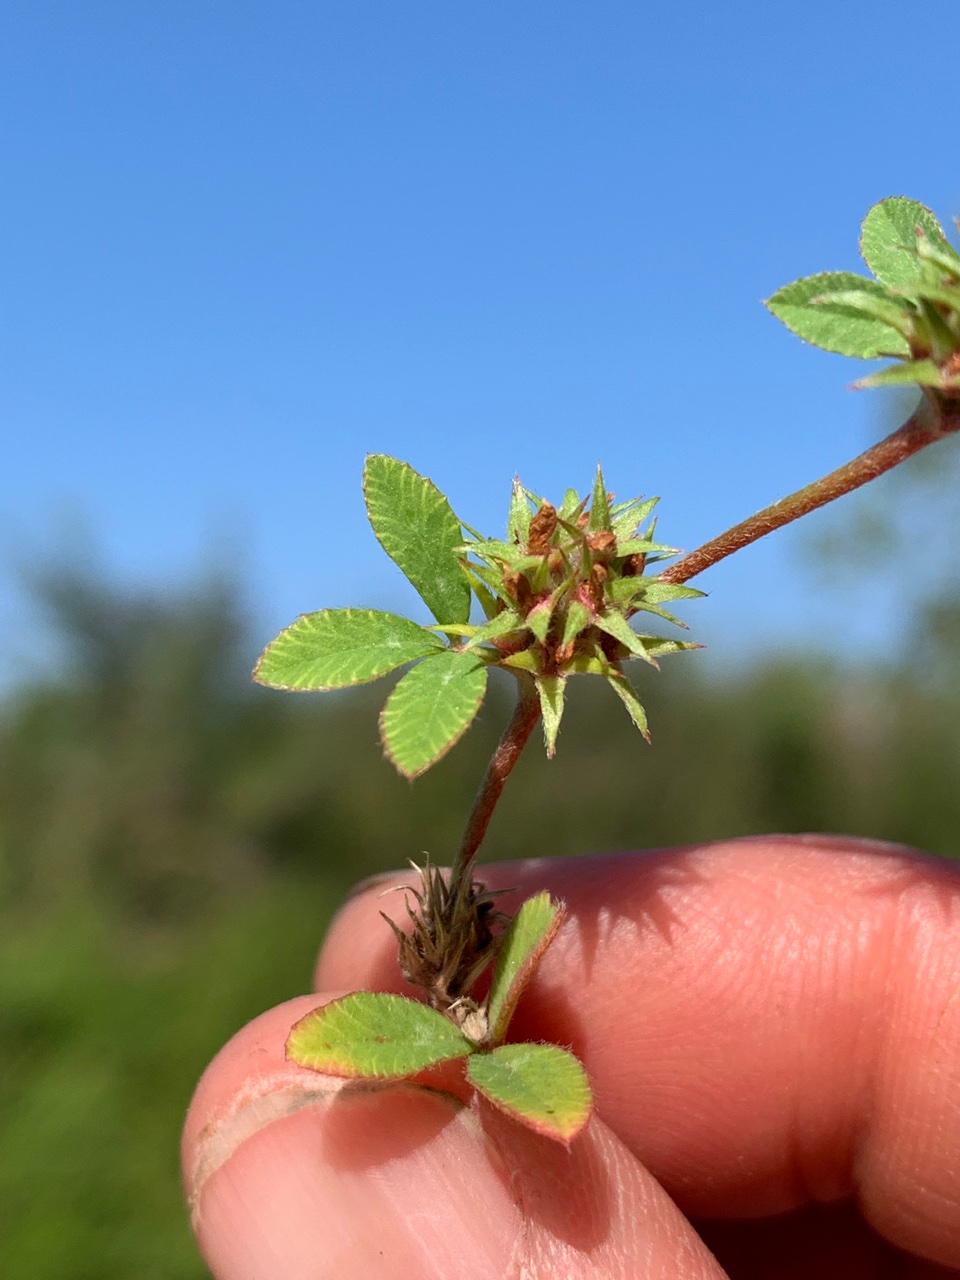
(246, 243)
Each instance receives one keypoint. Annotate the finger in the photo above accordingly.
(767, 1022)
(295, 1174)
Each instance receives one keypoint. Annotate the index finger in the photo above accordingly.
(767, 1022)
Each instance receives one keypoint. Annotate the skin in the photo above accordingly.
(772, 1028)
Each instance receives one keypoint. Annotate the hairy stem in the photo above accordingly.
(930, 422)
(525, 716)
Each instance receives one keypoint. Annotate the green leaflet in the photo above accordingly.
(657, 646)
(531, 931)
(624, 690)
(417, 528)
(895, 312)
(578, 617)
(542, 1085)
(518, 521)
(600, 521)
(374, 1036)
(923, 373)
(500, 625)
(339, 647)
(617, 626)
(430, 709)
(550, 689)
(888, 239)
(832, 327)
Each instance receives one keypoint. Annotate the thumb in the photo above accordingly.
(297, 1174)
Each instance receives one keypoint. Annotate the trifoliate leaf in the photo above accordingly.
(430, 709)
(889, 229)
(836, 328)
(551, 690)
(531, 931)
(415, 525)
(374, 1036)
(625, 692)
(541, 1085)
(339, 647)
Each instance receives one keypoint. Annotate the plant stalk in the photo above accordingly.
(932, 421)
(514, 738)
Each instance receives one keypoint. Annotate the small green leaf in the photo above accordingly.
(627, 517)
(936, 332)
(644, 606)
(541, 1085)
(600, 521)
(430, 709)
(836, 328)
(525, 660)
(518, 521)
(374, 1036)
(947, 295)
(539, 618)
(943, 256)
(584, 665)
(889, 228)
(498, 552)
(415, 525)
(487, 584)
(571, 507)
(339, 647)
(644, 546)
(923, 373)
(578, 617)
(616, 625)
(551, 690)
(893, 311)
(531, 931)
(624, 690)
(657, 592)
(500, 625)
(658, 646)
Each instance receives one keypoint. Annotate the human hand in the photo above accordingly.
(772, 1030)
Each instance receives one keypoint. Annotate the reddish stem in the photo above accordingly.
(930, 422)
(525, 716)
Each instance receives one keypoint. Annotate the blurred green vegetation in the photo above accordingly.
(173, 842)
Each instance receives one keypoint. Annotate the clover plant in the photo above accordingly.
(559, 596)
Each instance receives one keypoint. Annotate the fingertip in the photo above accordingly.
(293, 1173)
